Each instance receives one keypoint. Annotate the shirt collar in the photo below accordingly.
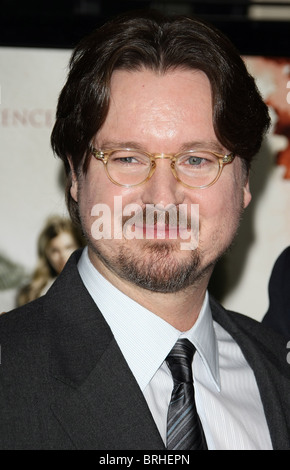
(144, 338)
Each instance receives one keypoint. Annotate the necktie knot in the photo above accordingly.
(179, 361)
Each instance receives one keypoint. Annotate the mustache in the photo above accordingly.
(171, 216)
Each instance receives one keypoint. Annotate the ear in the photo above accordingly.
(74, 181)
(247, 194)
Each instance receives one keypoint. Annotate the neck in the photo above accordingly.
(179, 309)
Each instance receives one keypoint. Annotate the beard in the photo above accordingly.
(163, 272)
(159, 266)
(156, 267)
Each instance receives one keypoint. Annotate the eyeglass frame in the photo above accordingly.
(104, 155)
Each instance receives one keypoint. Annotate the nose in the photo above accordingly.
(163, 188)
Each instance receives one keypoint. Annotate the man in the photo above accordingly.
(158, 116)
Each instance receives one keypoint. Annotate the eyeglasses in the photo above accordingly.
(193, 169)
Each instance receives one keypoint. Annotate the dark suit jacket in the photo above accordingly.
(278, 314)
(64, 383)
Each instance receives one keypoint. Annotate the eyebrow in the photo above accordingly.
(207, 145)
(108, 144)
(192, 145)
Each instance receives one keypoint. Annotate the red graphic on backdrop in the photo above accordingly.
(277, 72)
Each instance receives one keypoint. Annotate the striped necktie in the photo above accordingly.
(184, 429)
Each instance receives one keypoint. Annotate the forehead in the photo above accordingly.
(153, 88)
(61, 239)
(146, 105)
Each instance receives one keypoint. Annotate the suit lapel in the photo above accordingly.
(108, 410)
(95, 396)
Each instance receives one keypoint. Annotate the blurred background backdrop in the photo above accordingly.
(36, 40)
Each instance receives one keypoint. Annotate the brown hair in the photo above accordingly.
(44, 271)
(160, 43)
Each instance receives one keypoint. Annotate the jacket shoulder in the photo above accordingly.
(21, 332)
(21, 316)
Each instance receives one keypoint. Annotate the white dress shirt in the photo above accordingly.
(226, 393)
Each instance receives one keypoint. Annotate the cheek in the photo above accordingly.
(91, 191)
(220, 209)
(54, 260)
(99, 197)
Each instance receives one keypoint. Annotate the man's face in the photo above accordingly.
(164, 114)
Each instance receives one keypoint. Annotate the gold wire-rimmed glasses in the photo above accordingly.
(194, 169)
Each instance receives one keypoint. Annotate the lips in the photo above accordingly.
(161, 231)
